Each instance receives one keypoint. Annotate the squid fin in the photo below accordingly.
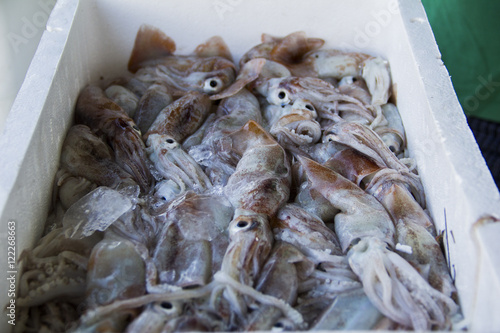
(292, 48)
(214, 47)
(248, 73)
(150, 44)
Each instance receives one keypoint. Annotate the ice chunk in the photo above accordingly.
(95, 211)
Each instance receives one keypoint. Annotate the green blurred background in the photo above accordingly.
(468, 35)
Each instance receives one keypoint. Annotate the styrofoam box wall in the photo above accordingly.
(89, 40)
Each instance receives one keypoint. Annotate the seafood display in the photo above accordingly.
(199, 194)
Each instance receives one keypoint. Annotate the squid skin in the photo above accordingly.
(183, 263)
(122, 96)
(274, 57)
(392, 133)
(294, 225)
(251, 242)
(249, 73)
(400, 201)
(183, 117)
(355, 86)
(338, 64)
(364, 172)
(315, 204)
(104, 116)
(152, 101)
(261, 182)
(301, 56)
(354, 165)
(364, 140)
(193, 240)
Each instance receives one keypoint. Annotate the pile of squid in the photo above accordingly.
(197, 194)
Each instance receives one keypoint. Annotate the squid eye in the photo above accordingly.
(309, 107)
(242, 224)
(327, 138)
(166, 307)
(281, 97)
(212, 85)
(170, 141)
(137, 129)
(279, 327)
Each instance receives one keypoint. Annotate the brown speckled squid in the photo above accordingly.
(183, 117)
(257, 189)
(366, 233)
(366, 141)
(214, 151)
(325, 97)
(105, 117)
(208, 70)
(414, 228)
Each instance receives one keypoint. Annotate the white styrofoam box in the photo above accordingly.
(89, 40)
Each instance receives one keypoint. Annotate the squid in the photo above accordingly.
(338, 64)
(288, 50)
(415, 229)
(279, 277)
(257, 189)
(105, 117)
(367, 142)
(274, 57)
(122, 96)
(53, 281)
(174, 164)
(366, 233)
(294, 124)
(326, 99)
(193, 240)
(183, 117)
(209, 70)
(214, 153)
(152, 102)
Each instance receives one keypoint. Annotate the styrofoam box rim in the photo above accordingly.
(85, 40)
